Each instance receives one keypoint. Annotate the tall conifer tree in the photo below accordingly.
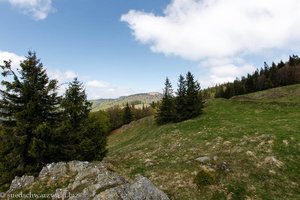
(194, 102)
(29, 106)
(76, 109)
(127, 114)
(82, 135)
(180, 100)
(75, 105)
(166, 112)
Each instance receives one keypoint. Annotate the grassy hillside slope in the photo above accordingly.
(137, 99)
(256, 135)
(289, 95)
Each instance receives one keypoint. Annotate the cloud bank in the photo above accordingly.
(218, 30)
(95, 89)
(38, 9)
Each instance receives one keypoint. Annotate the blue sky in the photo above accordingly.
(119, 47)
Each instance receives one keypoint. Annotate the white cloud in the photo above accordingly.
(99, 89)
(61, 76)
(38, 9)
(15, 59)
(225, 73)
(196, 30)
(70, 74)
(95, 89)
(222, 70)
(97, 84)
(219, 31)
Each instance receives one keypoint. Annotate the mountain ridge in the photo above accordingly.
(138, 100)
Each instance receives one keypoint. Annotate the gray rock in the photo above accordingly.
(20, 182)
(148, 162)
(203, 159)
(89, 181)
(176, 131)
(215, 158)
(224, 166)
(54, 170)
(141, 189)
(77, 166)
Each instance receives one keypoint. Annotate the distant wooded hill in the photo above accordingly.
(138, 100)
(276, 75)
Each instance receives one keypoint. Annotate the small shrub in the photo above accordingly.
(204, 178)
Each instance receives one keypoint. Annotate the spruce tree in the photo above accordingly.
(194, 102)
(180, 100)
(75, 110)
(76, 107)
(166, 112)
(82, 136)
(92, 146)
(127, 114)
(29, 106)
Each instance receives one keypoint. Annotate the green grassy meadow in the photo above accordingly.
(257, 136)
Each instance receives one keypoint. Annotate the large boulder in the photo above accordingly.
(141, 188)
(77, 180)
